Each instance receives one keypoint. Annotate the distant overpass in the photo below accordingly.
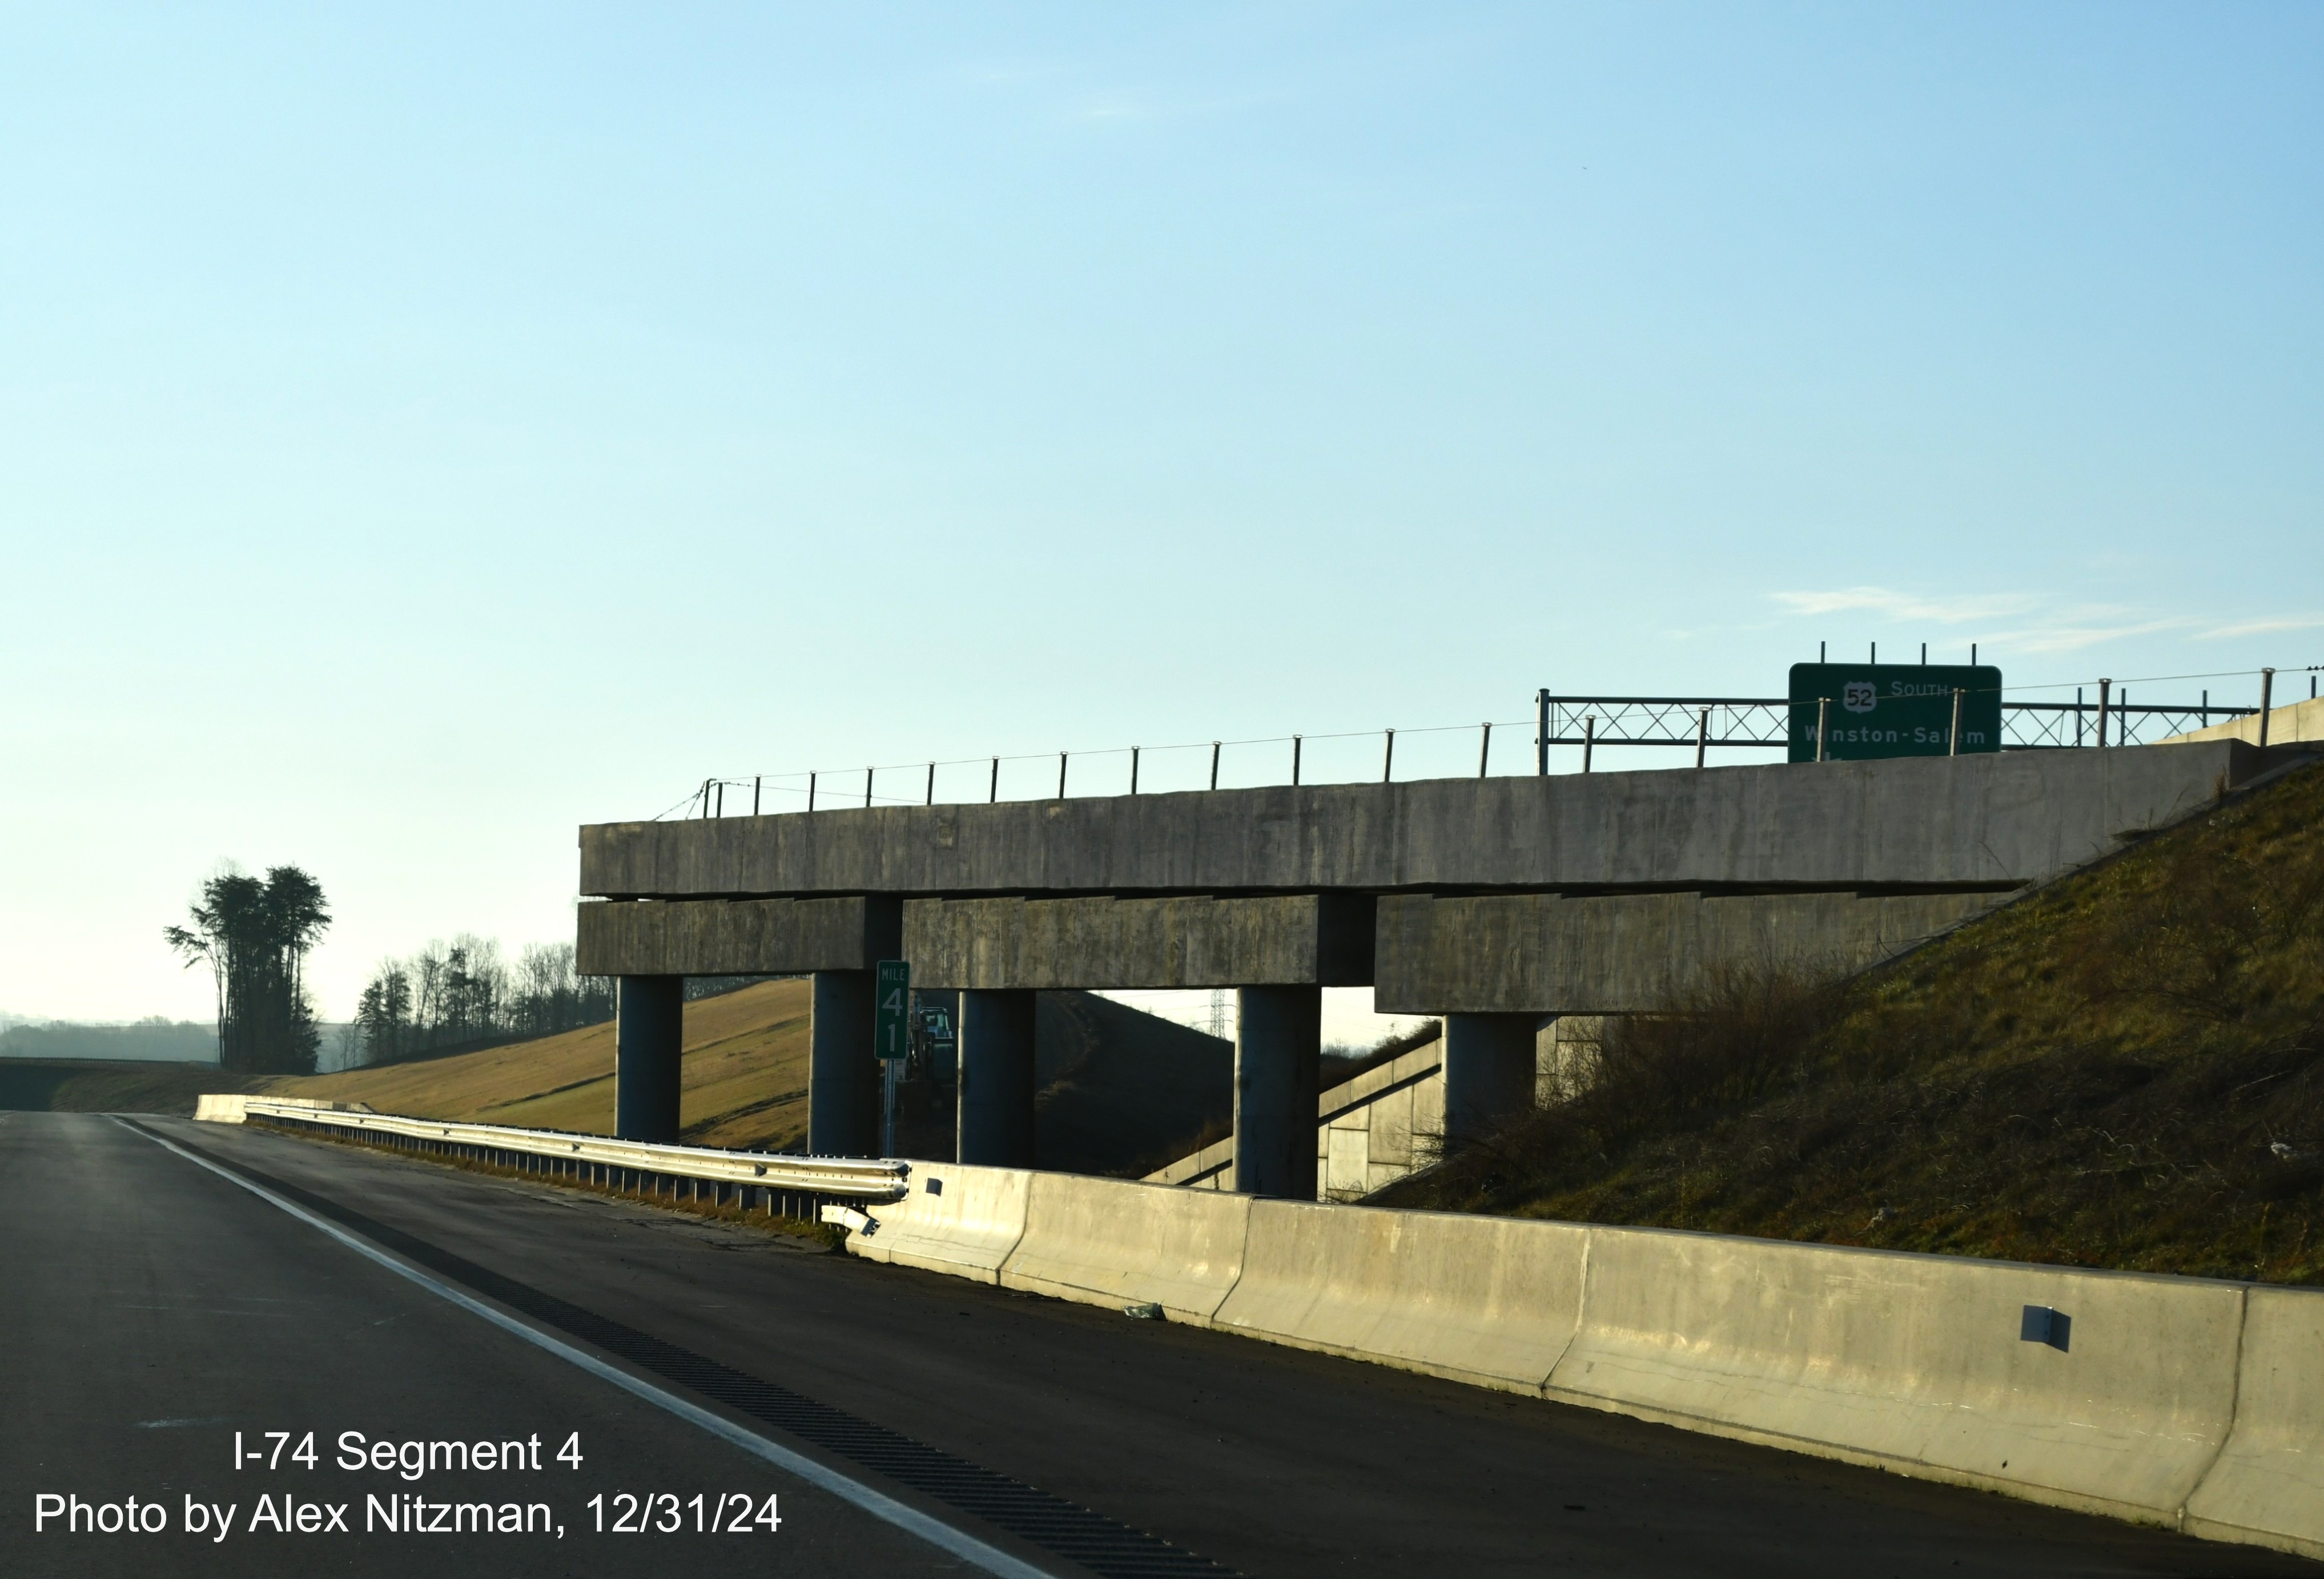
(1493, 902)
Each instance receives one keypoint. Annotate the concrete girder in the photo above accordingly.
(1992, 819)
(737, 937)
(1290, 940)
(1630, 953)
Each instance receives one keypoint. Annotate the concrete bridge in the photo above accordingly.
(1496, 903)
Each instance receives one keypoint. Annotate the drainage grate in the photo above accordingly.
(1050, 1523)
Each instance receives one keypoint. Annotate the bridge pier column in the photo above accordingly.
(1489, 1071)
(843, 1078)
(996, 1078)
(649, 1033)
(1278, 1045)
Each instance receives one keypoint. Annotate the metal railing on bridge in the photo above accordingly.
(1727, 721)
(2100, 713)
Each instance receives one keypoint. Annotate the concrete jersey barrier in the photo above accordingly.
(1489, 1300)
(2169, 1400)
(959, 1220)
(233, 1107)
(2267, 1487)
(1916, 1362)
(1110, 1241)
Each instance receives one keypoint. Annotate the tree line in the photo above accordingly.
(255, 934)
(467, 991)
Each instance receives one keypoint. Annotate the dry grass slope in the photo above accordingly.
(1118, 1084)
(2125, 1071)
(743, 1076)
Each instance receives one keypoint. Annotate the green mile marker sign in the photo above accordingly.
(891, 1002)
(1893, 710)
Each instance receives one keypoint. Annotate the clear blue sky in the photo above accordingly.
(424, 431)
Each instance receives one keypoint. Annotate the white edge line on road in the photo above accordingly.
(886, 1509)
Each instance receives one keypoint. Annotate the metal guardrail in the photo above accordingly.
(628, 1165)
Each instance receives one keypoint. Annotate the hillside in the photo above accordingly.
(1117, 1084)
(743, 1076)
(1123, 1091)
(97, 1086)
(2126, 1069)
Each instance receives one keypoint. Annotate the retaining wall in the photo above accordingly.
(2179, 1401)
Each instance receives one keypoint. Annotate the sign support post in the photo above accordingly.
(891, 1039)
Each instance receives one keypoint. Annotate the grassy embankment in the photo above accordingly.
(1117, 1086)
(2126, 1069)
(110, 1085)
(743, 1076)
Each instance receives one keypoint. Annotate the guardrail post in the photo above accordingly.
(1823, 728)
(1952, 737)
(2266, 701)
(648, 1033)
(1589, 741)
(994, 1127)
(1702, 735)
(2105, 688)
(1541, 734)
(1485, 751)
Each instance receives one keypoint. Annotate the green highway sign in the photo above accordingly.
(1893, 709)
(891, 1002)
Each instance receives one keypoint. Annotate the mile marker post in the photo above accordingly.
(891, 1039)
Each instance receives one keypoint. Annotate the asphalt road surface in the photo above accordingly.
(161, 1315)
